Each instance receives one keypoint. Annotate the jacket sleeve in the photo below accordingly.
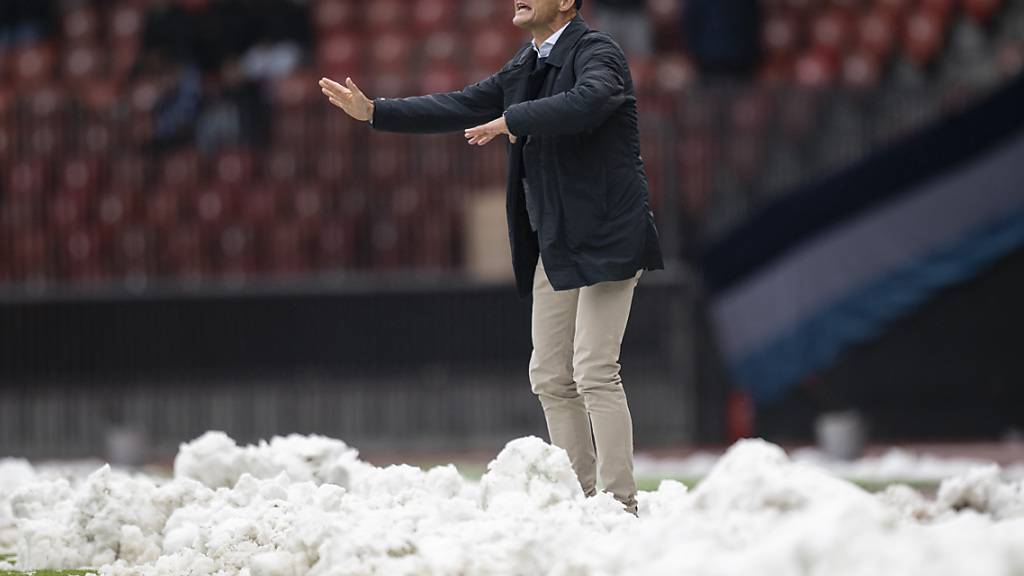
(599, 90)
(474, 105)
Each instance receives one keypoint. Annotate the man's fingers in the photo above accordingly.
(352, 86)
(335, 95)
(334, 87)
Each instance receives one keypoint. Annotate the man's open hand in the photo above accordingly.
(486, 132)
(349, 98)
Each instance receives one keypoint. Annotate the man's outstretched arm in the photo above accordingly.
(599, 90)
(445, 112)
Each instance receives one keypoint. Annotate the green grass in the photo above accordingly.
(46, 573)
(10, 558)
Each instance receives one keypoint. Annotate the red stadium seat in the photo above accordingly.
(233, 168)
(781, 34)
(27, 177)
(306, 205)
(390, 52)
(80, 175)
(387, 248)
(331, 16)
(180, 170)
(125, 22)
(642, 69)
(981, 11)
(1010, 59)
(281, 166)
(98, 96)
(434, 241)
(259, 206)
(676, 73)
(861, 70)
(665, 18)
(896, 7)
(235, 252)
(941, 8)
(876, 33)
(923, 37)
(80, 252)
(775, 72)
(163, 209)
(213, 206)
(80, 24)
(443, 47)
(286, 249)
(182, 254)
(7, 140)
(830, 31)
(30, 253)
(341, 55)
(67, 210)
(393, 84)
(335, 244)
(751, 113)
(33, 64)
(295, 90)
(333, 166)
(386, 14)
(444, 78)
(115, 209)
(430, 15)
(391, 161)
(491, 48)
(134, 253)
(129, 171)
(122, 58)
(481, 14)
(814, 69)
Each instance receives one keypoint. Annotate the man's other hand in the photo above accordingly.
(486, 132)
(349, 98)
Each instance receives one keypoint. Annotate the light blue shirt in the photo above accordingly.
(549, 44)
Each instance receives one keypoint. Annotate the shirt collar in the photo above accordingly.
(545, 49)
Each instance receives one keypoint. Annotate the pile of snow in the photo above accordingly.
(895, 464)
(14, 473)
(215, 460)
(307, 505)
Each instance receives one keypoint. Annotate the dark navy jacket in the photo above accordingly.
(595, 220)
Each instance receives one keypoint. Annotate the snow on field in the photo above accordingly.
(895, 464)
(308, 505)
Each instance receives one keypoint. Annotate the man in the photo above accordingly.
(579, 218)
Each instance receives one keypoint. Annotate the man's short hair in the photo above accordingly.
(579, 4)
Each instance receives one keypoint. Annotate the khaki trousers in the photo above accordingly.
(574, 370)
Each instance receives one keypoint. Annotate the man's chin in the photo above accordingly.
(522, 20)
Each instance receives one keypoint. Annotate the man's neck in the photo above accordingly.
(542, 34)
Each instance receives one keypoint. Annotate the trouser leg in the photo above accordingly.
(551, 377)
(601, 317)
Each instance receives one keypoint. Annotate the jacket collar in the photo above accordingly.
(577, 27)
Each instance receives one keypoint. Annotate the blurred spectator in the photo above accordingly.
(23, 21)
(627, 22)
(236, 110)
(168, 35)
(178, 109)
(285, 36)
(230, 47)
(723, 35)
